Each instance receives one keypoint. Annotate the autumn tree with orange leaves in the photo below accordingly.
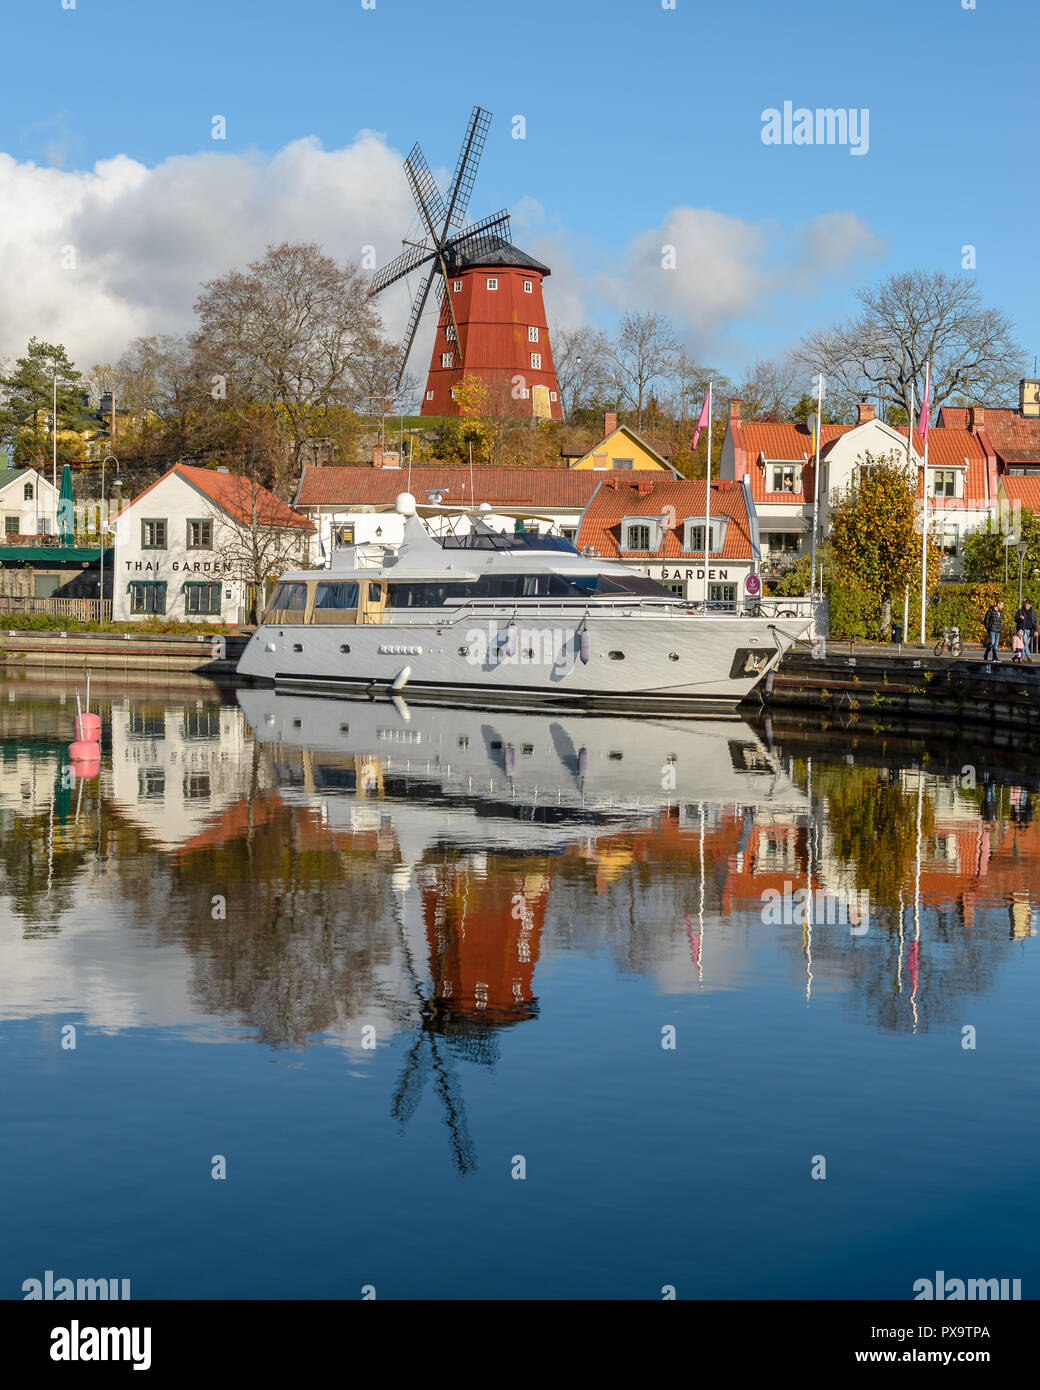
(875, 532)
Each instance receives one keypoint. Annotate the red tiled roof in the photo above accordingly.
(235, 494)
(601, 524)
(357, 487)
(1007, 430)
(1023, 490)
(780, 440)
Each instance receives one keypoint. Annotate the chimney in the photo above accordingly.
(976, 418)
(609, 422)
(866, 412)
(377, 458)
(734, 408)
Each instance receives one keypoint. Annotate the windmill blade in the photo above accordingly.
(482, 235)
(418, 305)
(402, 265)
(466, 168)
(424, 190)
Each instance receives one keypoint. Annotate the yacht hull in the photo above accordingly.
(653, 662)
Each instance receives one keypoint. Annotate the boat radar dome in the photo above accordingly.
(405, 504)
(484, 507)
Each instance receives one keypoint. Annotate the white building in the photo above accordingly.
(195, 546)
(28, 503)
(778, 459)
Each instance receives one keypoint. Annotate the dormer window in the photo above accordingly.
(641, 533)
(693, 534)
(945, 482)
(784, 477)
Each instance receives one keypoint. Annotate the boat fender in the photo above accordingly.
(512, 639)
(510, 760)
(401, 679)
(585, 647)
(583, 761)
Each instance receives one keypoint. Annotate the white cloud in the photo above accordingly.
(146, 239)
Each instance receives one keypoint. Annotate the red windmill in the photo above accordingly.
(492, 319)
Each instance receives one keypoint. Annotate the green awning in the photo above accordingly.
(48, 555)
(149, 583)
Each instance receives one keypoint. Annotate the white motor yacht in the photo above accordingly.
(517, 620)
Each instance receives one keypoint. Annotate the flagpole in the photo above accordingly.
(816, 498)
(924, 498)
(707, 506)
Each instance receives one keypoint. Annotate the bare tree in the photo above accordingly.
(294, 333)
(253, 536)
(582, 360)
(643, 352)
(768, 390)
(907, 320)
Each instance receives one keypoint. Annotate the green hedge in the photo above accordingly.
(965, 605)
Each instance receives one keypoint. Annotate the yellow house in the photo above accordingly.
(621, 448)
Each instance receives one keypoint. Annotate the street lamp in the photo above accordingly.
(116, 482)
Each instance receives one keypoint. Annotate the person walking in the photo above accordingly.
(994, 621)
(1026, 619)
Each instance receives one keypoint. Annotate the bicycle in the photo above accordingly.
(949, 641)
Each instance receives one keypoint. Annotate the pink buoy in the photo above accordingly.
(88, 727)
(86, 759)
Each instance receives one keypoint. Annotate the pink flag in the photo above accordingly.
(701, 422)
(922, 423)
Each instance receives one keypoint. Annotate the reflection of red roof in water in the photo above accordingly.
(233, 823)
(483, 936)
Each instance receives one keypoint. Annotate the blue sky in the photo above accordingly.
(632, 111)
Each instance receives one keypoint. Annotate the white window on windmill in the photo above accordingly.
(492, 282)
(453, 393)
(447, 358)
(429, 395)
(526, 394)
(536, 361)
(449, 333)
(456, 286)
(528, 287)
(532, 335)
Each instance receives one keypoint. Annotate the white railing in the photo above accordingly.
(82, 610)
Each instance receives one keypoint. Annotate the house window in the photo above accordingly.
(492, 282)
(528, 288)
(722, 593)
(785, 477)
(944, 482)
(147, 596)
(12, 525)
(27, 492)
(694, 538)
(532, 335)
(456, 286)
(202, 598)
(621, 463)
(453, 393)
(447, 358)
(949, 540)
(568, 532)
(783, 542)
(449, 333)
(536, 361)
(153, 535)
(429, 395)
(200, 535)
(638, 538)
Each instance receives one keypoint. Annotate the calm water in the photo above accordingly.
(383, 960)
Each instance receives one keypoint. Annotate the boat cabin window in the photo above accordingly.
(289, 597)
(512, 586)
(336, 596)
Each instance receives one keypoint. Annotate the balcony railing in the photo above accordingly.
(81, 610)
